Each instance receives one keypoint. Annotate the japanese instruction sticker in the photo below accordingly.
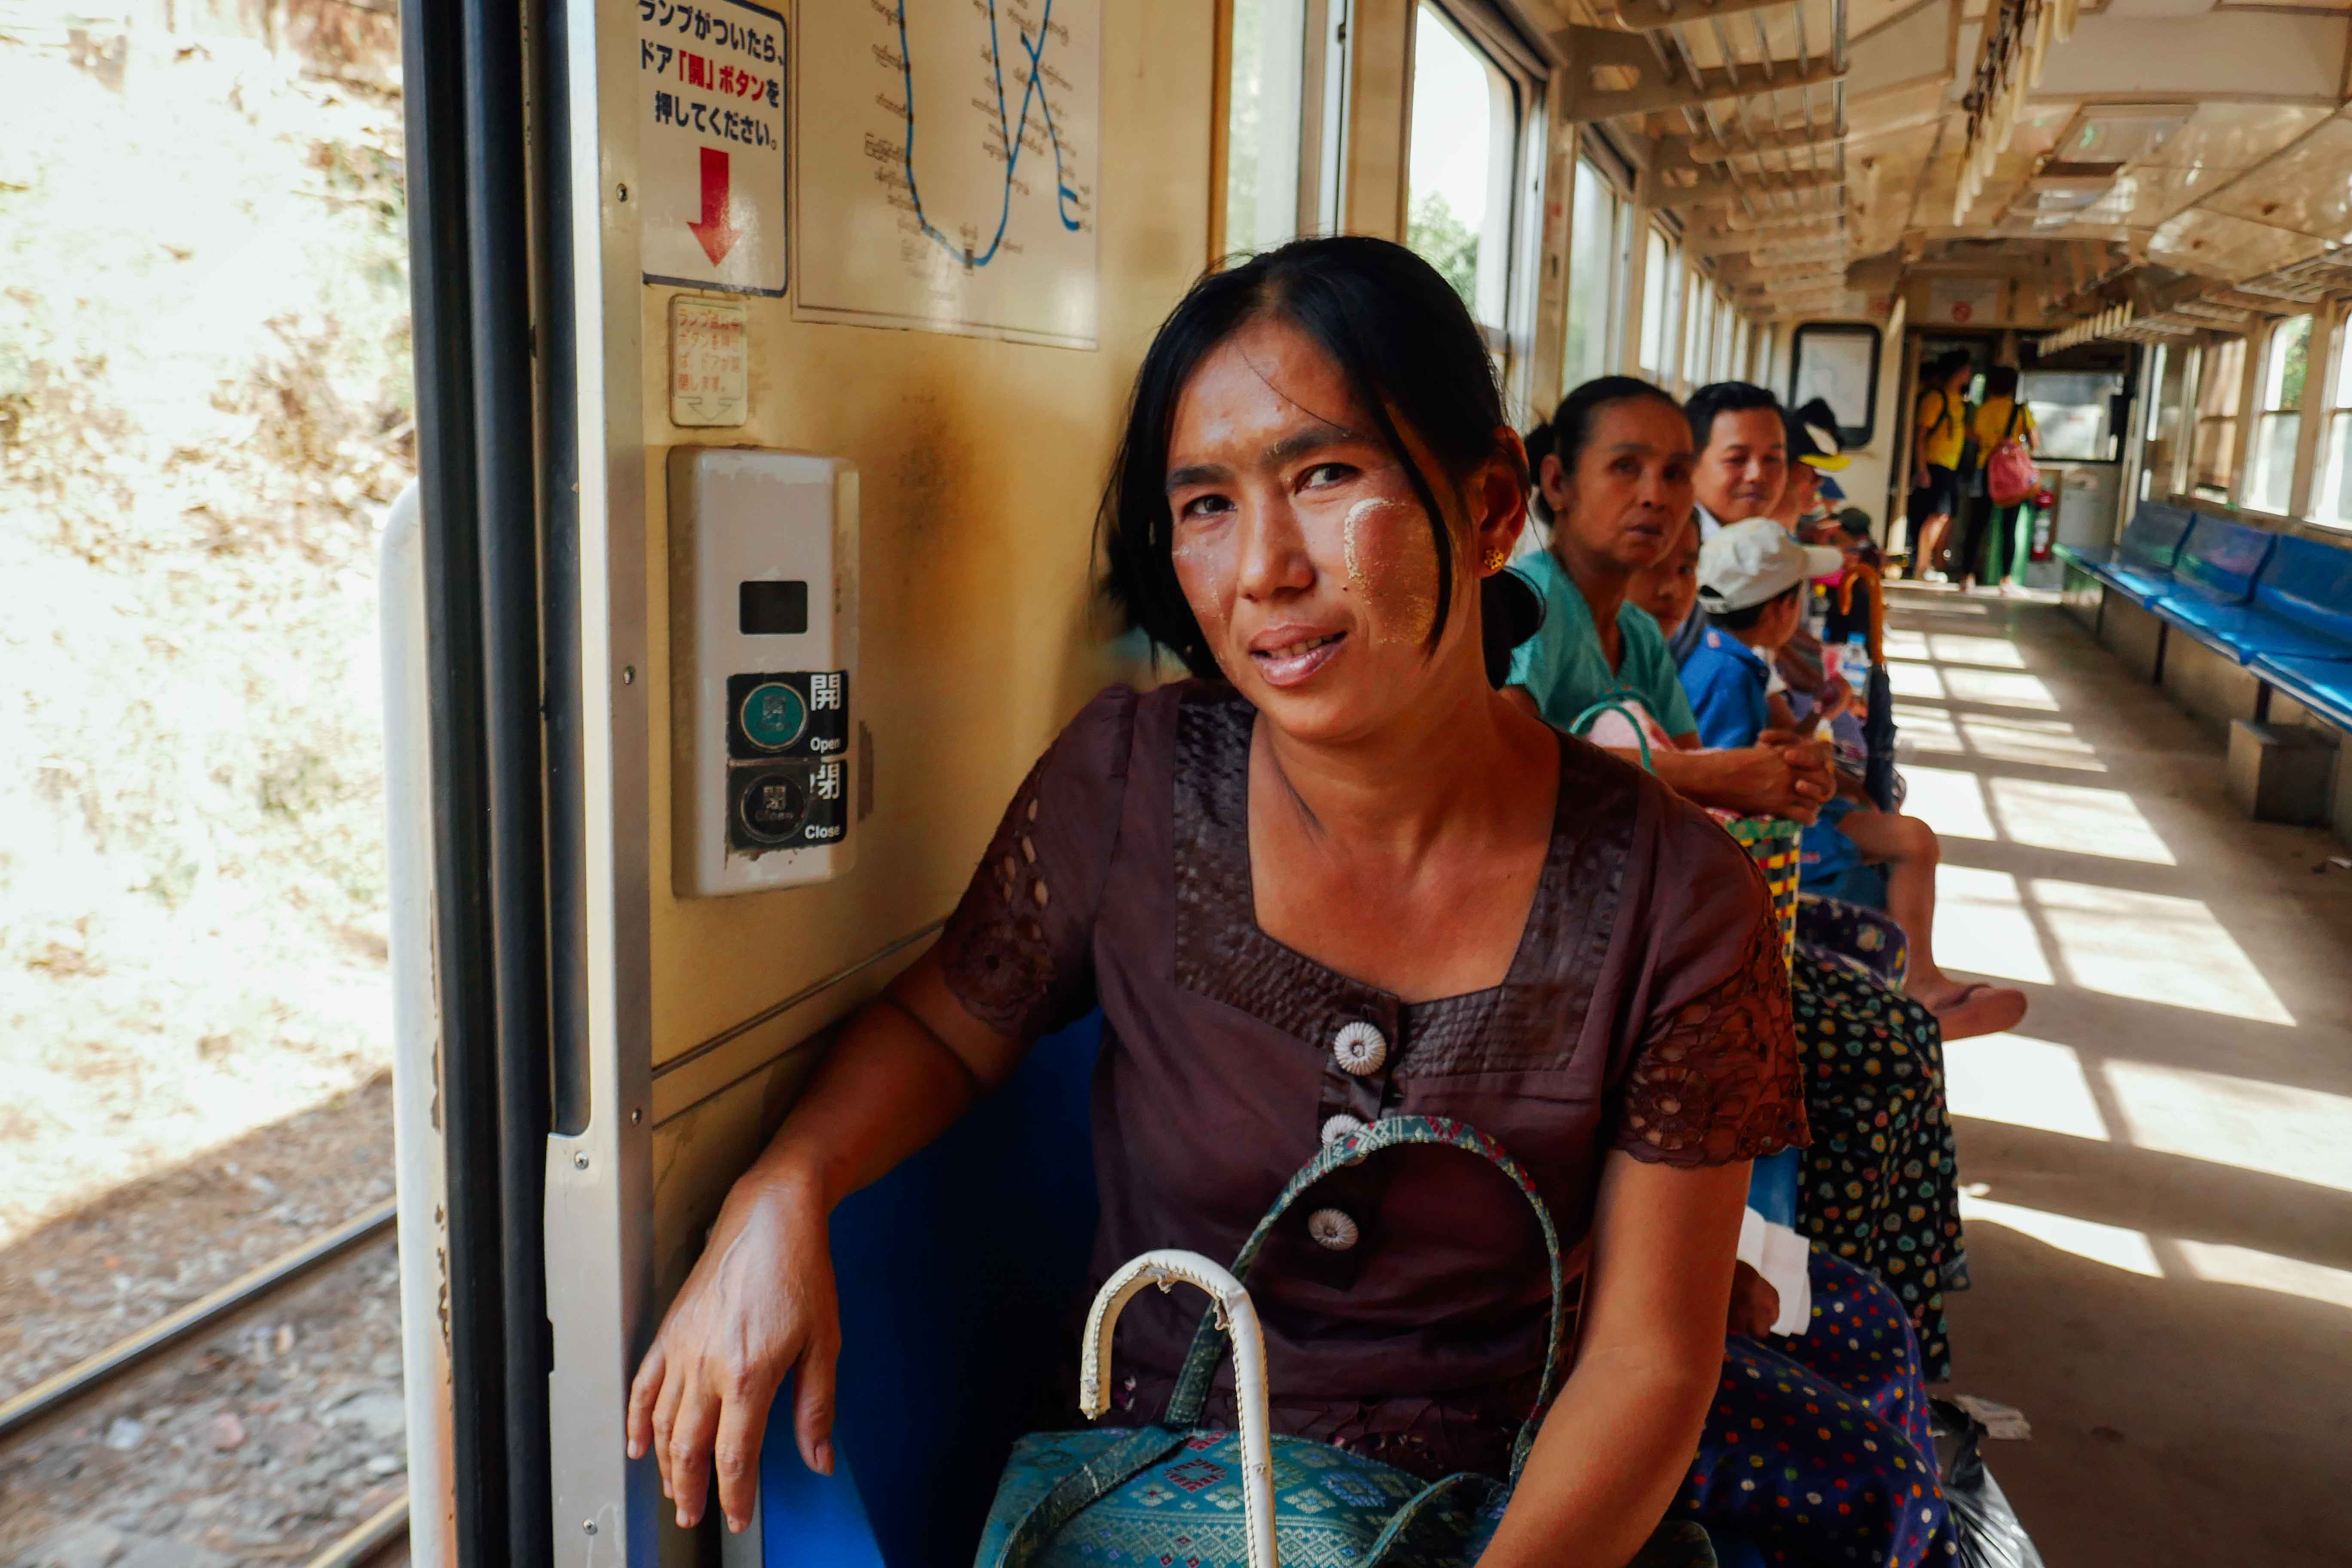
(711, 149)
(709, 361)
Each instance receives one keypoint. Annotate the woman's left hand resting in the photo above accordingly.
(1619, 1439)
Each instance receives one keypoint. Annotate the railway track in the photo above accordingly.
(379, 1542)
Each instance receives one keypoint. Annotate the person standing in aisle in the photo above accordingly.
(2002, 418)
(1940, 430)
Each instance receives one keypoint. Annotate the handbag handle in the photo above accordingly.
(1585, 720)
(1354, 1148)
(1231, 1309)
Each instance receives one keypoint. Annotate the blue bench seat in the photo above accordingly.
(2140, 564)
(2297, 605)
(2322, 685)
(2212, 576)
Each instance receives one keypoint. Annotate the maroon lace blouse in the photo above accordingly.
(1645, 1009)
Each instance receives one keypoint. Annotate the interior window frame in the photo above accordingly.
(2276, 421)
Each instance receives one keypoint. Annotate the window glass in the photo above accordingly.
(1592, 275)
(1661, 284)
(1694, 327)
(2072, 410)
(2332, 498)
(2213, 449)
(2286, 364)
(1466, 119)
(1262, 123)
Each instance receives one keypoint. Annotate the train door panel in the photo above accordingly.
(979, 460)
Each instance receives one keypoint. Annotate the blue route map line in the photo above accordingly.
(1010, 130)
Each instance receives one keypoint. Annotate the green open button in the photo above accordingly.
(775, 715)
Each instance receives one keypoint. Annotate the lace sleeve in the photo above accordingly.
(1716, 1077)
(1018, 950)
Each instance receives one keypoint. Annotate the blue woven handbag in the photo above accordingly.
(1177, 1496)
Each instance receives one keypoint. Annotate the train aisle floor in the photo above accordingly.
(2157, 1165)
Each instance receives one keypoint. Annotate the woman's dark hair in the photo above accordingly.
(1409, 351)
(1723, 398)
(1570, 429)
(2000, 381)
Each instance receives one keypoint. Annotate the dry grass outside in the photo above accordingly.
(204, 404)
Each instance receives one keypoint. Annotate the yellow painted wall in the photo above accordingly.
(981, 465)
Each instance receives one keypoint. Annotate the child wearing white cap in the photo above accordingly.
(1751, 579)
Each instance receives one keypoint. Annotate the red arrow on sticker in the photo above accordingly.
(717, 238)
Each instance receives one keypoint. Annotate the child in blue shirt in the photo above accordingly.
(1751, 583)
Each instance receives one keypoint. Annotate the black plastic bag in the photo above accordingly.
(1987, 1528)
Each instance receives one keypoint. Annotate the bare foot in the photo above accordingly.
(1973, 1010)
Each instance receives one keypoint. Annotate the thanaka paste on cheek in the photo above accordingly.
(1391, 568)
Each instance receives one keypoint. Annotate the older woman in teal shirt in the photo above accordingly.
(1612, 470)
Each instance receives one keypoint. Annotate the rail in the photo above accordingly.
(91, 1373)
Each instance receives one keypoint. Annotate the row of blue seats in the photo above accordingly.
(2280, 605)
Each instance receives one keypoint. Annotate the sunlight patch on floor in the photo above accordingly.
(2075, 817)
(2024, 1082)
(1919, 728)
(1982, 927)
(1960, 647)
(2151, 947)
(1901, 643)
(1950, 799)
(2225, 1265)
(2112, 1245)
(2302, 1134)
(2041, 743)
(1908, 679)
(1998, 687)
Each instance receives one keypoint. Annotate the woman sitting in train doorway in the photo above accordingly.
(1939, 434)
(1338, 876)
(2000, 418)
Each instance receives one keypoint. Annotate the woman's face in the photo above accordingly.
(1301, 547)
(1630, 491)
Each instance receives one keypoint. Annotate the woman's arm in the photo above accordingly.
(1780, 776)
(1619, 1440)
(761, 1300)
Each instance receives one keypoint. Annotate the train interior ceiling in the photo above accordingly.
(603, 996)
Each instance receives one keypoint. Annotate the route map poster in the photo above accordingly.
(710, 144)
(943, 168)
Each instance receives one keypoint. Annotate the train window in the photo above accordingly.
(1838, 361)
(2159, 463)
(1465, 134)
(2278, 422)
(1595, 271)
(1697, 320)
(2213, 445)
(1264, 101)
(2332, 501)
(1660, 283)
(2073, 411)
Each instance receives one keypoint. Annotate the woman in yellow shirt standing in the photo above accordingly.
(1940, 426)
(1999, 418)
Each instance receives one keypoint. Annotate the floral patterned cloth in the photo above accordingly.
(1880, 1187)
(1818, 1447)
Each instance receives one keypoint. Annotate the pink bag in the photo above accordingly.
(2009, 473)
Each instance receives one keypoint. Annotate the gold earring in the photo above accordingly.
(1495, 559)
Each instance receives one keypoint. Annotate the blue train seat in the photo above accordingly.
(2140, 564)
(2213, 580)
(2302, 608)
(962, 1282)
(2322, 685)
